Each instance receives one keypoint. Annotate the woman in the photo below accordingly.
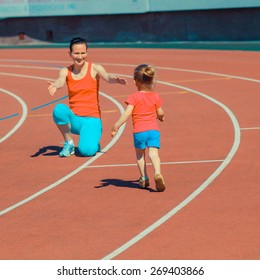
(82, 117)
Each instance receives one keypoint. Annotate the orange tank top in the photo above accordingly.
(83, 94)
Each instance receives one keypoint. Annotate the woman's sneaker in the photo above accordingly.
(159, 182)
(67, 150)
(144, 183)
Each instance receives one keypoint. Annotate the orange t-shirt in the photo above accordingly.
(83, 94)
(144, 115)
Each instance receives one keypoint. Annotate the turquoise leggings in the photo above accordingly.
(89, 129)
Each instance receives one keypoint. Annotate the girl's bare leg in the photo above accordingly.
(140, 157)
(155, 159)
(156, 162)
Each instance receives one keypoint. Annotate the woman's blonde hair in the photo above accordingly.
(144, 74)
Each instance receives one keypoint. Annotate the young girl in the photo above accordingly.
(83, 116)
(145, 107)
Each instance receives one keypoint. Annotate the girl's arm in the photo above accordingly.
(59, 83)
(124, 117)
(160, 114)
(110, 78)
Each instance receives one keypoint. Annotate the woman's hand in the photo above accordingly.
(51, 88)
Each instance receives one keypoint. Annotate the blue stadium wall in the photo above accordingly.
(239, 24)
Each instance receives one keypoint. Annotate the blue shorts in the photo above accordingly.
(149, 138)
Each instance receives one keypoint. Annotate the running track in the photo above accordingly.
(92, 208)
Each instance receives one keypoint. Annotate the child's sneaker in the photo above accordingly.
(144, 182)
(159, 182)
(67, 150)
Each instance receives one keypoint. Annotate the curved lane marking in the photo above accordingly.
(77, 170)
(194, 194)
(29, 67)
(193, 71)
(74, 172)
(21, 120)
(48, 62)
(25, 76)
(211, 178)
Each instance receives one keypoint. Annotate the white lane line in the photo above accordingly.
(21, 120)
(250, 128)
(77, 170)
(192, 71)
(44, 62)
(25, 76)
(212, 73)
(210, 178)
(162, 163)
(202, 187)
(30, 67)
(133, 65)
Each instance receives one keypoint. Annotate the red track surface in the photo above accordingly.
(212, 130)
